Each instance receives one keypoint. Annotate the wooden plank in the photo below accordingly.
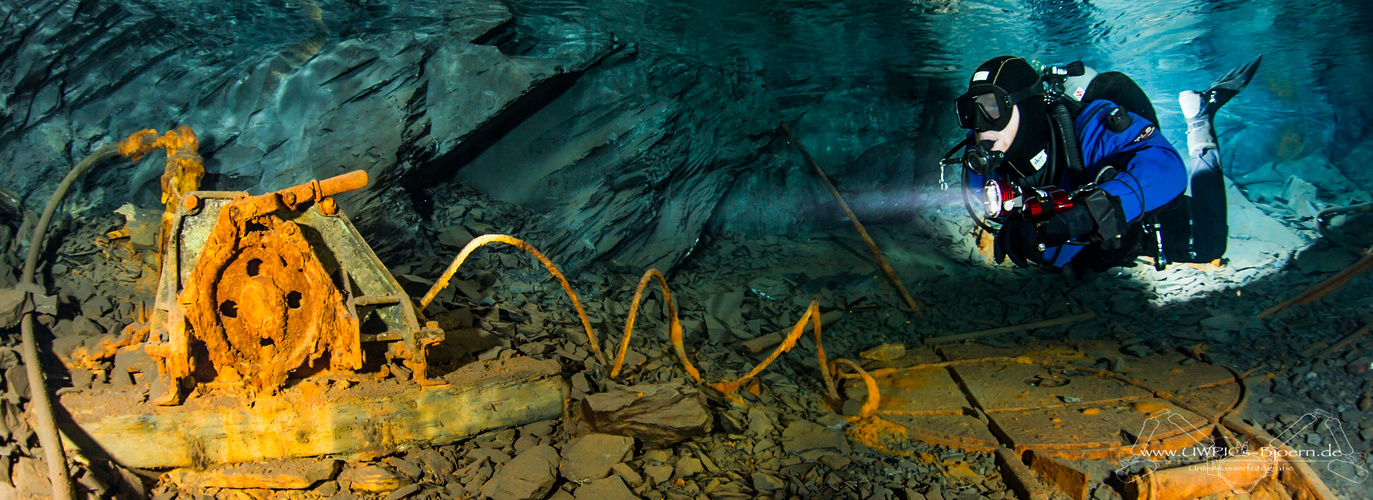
(913, 391)
(306, 421)
(958, 431)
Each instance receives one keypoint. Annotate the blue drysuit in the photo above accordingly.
(1151, 172)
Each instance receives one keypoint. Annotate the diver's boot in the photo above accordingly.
(1200, 135)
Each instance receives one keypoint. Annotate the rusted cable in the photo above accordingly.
(727, 389)
(42, 404)
(520, 244)
(674, 327)
(813, 315)
(881, 261)
(874, 397)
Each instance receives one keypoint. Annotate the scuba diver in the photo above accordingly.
(1073, 167)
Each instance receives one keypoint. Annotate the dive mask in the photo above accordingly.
(988, 107)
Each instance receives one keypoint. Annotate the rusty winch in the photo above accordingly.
(255, 289)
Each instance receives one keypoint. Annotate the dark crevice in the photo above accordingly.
(442, 169)
(498, 34)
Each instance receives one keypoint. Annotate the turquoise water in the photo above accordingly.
(1310, 88)
(871, 58)
(1304, 92)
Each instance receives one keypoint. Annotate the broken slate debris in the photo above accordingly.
(657, 415)
(591, 457)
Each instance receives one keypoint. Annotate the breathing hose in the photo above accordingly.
(42, 405)
(1071, 151)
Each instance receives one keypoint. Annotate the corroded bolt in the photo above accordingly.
(288, 198)
(191, 203)
(328, 206)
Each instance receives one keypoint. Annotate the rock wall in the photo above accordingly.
(629, 153)
(630, 163)
(269, 115)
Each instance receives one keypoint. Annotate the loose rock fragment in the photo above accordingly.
(12, 304)
(531, 474)
(658, 415)
(374, 479)
(592, 456)
(610, 488)
(884, 352)
(802, 436)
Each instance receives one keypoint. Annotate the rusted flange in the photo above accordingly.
(263, 305)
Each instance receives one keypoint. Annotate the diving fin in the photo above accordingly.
(1227, 87)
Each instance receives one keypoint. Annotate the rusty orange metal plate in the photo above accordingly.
(958, 431)
(1109, 426)
(998, 387)
(1050, 399)
(932, 390)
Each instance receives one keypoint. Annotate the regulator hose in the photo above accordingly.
(1072, 152)
(42, 404)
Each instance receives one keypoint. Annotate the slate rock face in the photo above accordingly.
(628, 153)
(633, 159)
(268, 115)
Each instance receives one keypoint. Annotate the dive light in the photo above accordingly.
(1005, 199)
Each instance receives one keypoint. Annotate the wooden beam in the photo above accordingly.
(307, 420)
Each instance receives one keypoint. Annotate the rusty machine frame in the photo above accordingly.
(255, 289)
